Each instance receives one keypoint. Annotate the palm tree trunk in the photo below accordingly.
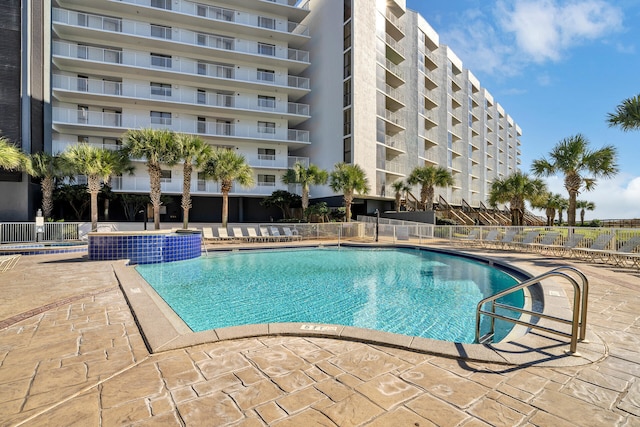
(582, 212)
(348, 199)
(47, 196)
(93, 187)
(398, 201)
(225, 207)
(154, 181)
(186, 194)
(571, 211)
(305, 198)
(429, 193)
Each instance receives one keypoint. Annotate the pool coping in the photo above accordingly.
(163, 330)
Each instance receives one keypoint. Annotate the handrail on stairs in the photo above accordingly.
(579, 311)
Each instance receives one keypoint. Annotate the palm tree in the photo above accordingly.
(226, 166)
(399, 187)
(49, 168)
(348, 179)
(516, 189)
(429, 177)
(627, 114)
(98, 164)
(158, 147)
(584, 205)
(572, 157)
(305, 176)
(548, 202)
(563, 205)
(194, 152)
(11, 158)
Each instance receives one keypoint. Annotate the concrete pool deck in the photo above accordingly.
(71, 353)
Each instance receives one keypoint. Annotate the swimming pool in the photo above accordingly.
(404, 291)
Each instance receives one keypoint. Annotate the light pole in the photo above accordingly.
(377, 212)
(144, 218)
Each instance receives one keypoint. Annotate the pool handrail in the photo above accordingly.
(579, 310)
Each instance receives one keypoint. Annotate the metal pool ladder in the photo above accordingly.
(578, 320)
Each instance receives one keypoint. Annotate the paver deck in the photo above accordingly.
(71, 353)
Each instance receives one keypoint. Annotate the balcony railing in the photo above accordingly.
(172, 64)
(184, 95)
(197, 186)
(394, 45)
(133, 121)
(292, 160)
(395, 93)
(176, 35)
(391, 166)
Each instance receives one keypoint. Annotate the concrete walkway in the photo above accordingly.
(72, 354)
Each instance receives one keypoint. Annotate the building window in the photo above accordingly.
(83, 83)
(266, 154)
(266, 127)
(346, 150)
(266, 180)
(202, 181)
(346, 121)
(161, 4)
(346, 91)
(161, 118)
(224, 127)
(347, 64)
(268, 23)
(111, 117)
(160, 31)
(83, 139)
(202, 125)
(266, 102)
(158, 60)
(165, 175)
(267, 49)
(112, 87)
(266, 75)
(161, 89)
(201, 97)
(83, 113)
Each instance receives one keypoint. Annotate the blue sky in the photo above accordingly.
(557, 67)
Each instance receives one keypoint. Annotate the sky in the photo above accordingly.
(558, 67)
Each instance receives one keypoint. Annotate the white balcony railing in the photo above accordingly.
(227, 15)
(184, 95)
(198, 186)
(144, 60)
(186, 125)
(176, 35)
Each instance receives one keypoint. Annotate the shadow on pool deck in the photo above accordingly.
(71, 352)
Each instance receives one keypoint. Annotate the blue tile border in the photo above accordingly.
(140, 248)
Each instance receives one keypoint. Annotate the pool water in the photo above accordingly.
(404, 291)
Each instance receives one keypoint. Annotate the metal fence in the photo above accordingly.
(26, 232)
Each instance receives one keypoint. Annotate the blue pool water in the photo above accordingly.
(404, 291)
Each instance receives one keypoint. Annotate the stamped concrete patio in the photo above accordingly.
(71, 353)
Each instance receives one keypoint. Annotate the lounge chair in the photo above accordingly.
(253, 236)
(7, 262)
(472, 238)
(597, 250)
(223, 234)
(528, 239)
(239, 235)
(507, 239)
(491, 237)
(264, 233)
(573, 241)
(291, 235)
(547, 241)
(207, 235)
(625, 253)
(277, 236)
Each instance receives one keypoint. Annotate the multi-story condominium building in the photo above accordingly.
(404, 100)
(227, 71)
(280, 81)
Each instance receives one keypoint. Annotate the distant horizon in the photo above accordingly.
(558, 67)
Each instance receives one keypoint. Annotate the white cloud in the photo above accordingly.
(615, 198)
(529, 31)
(545, 29)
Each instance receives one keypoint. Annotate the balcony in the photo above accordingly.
(227, 19)
(394, 51)
(140, 184)
(76, 24)
(395, 96)
(394, 142)
(119, 122)
(391, 166)
(185, 95)
(112, 61)
(394, 25)
(394, 119)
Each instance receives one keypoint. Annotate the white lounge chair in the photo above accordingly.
(276, 234)
(253, 235)
(573, 241)
(491, 237)
(207, 235)
(264, 233)
(597, 250)
(291, 235)
(223, 234)
(528, 239)
(547, 241)
(239, 235)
